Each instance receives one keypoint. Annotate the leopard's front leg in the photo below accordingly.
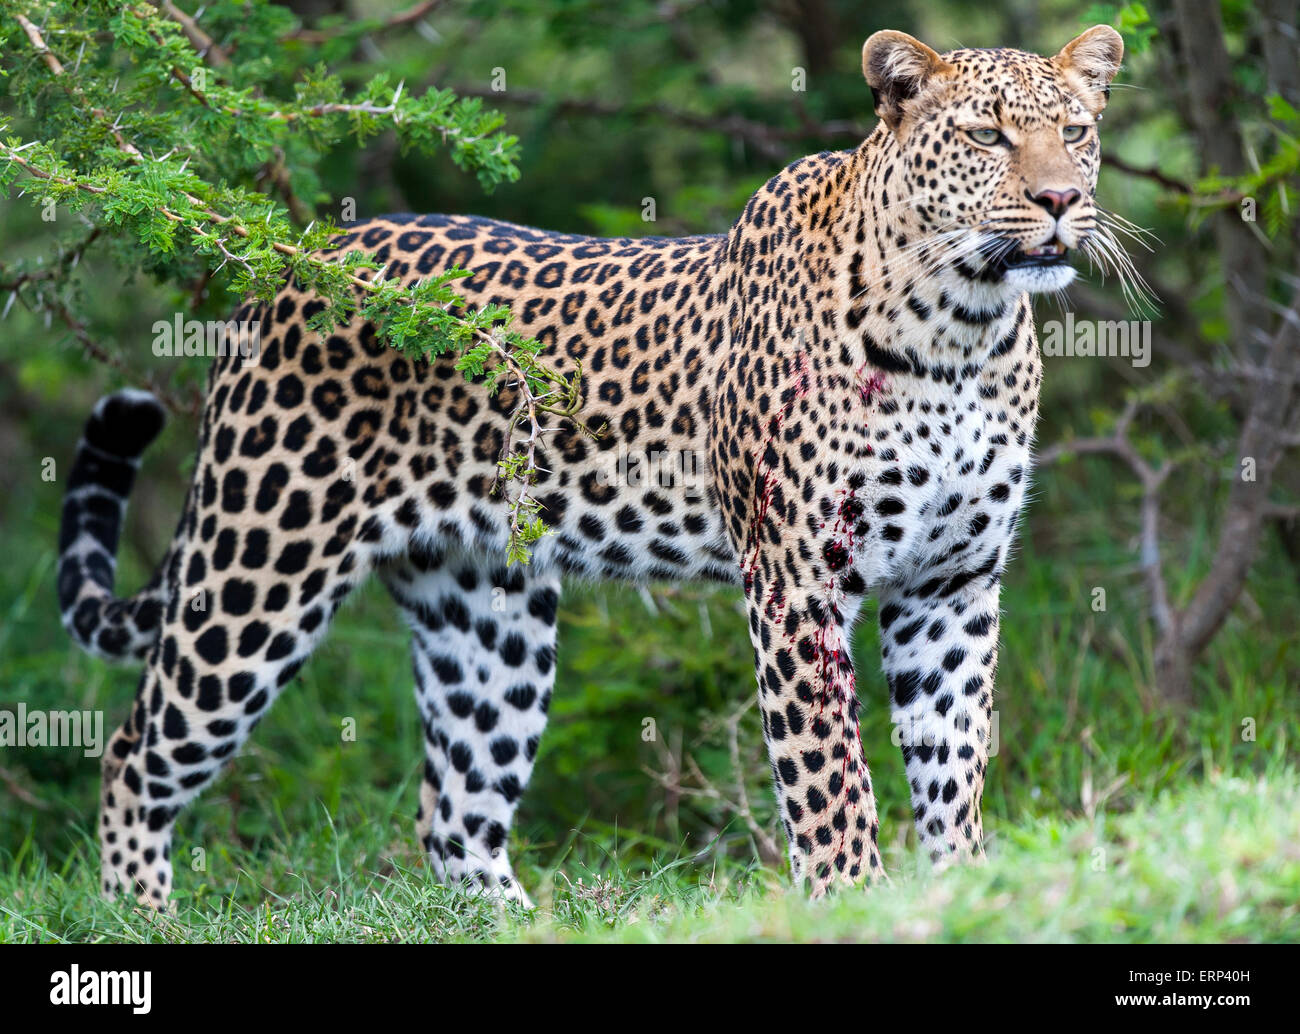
(795, 500)
(939, 642)
(800, 625)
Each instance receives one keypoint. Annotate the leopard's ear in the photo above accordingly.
(1091, 61)
(896, 67)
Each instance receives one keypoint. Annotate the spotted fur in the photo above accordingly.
(857, 360)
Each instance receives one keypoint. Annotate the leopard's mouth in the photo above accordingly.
(1054, 253)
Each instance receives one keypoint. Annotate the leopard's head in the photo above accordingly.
(998, 153)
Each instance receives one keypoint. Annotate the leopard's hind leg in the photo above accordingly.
(483, 647)
(251, 605)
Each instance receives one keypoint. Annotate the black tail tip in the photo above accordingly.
(124, 423)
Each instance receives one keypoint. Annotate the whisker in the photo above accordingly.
(1110, 256)
(1140, 234)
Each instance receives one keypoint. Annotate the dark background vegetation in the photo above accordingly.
(690, 103)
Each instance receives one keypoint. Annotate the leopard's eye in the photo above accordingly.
(986, 137)
(1073, 134)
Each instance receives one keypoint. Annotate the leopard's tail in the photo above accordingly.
(103, 471)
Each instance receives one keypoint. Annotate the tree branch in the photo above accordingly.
(203, 43)
(1168, 182)
(1151, 479)
(1264, 438)
(767, 139)
(412, 14)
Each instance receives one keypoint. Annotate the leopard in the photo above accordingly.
(855, 364)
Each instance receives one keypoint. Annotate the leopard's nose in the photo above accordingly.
(1055, 201)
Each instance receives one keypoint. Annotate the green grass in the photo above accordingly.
(1218, 862)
